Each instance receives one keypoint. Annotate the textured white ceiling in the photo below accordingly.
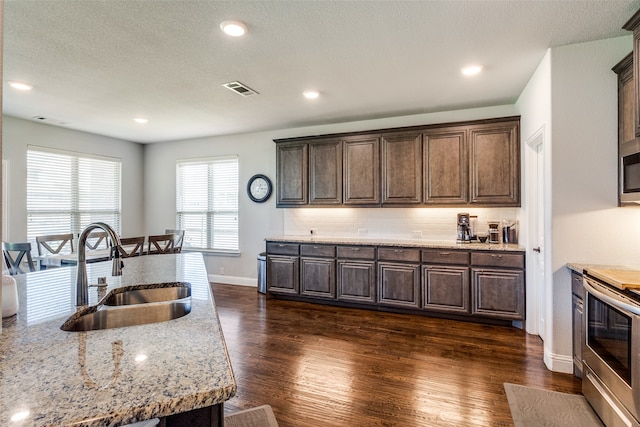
(97, 64)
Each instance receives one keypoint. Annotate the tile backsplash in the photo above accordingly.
(399, 223)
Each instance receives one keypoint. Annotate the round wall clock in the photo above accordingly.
(259, 188)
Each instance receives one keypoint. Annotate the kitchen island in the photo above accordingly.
(116, 376)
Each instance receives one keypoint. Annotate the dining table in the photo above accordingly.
(71, 258)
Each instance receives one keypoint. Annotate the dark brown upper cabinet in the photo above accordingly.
(402, 168)
(361, 173)
(445, 166)
(626, 100)
(325, 172)
(634, 25)
(475, 162)
(494, 164)
(292, 162)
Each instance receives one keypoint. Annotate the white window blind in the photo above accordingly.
(207, 203)
(68, 191)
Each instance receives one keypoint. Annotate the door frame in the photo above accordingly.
(536, 206)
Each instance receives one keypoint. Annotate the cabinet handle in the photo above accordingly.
(355, 249)
(496, 256)
(315, 247)
(444, 253)
(281, 246)
(398, 251)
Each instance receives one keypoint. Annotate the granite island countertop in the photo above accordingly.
(112, 376)
(408, 243)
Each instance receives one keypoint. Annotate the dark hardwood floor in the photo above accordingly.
(329, 366)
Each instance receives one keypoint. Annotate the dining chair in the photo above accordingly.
(177, 240)
(131, 246)
(160, 244)
(54, 243)
(14, 254)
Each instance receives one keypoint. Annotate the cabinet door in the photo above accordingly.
(361, 171)
(445, 166)
(498, 293)
(356, 281)
(446, 289)
(626, 100)
(578, 335)
(399, 285)
(282, 274)
(292, 175)
(494, 151)
(325, 173)
(317, 278)
(402, 168)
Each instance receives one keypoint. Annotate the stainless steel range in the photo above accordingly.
(611, 377)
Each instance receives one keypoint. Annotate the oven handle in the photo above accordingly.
(612, 301)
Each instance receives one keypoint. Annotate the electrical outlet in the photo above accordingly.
(362, 231)
(221, 270)
(417, 234)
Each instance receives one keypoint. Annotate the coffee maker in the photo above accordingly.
(464, 228)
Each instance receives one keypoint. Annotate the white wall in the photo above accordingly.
(18, 133)
(534, 105)
(587, 225)
(257, 222)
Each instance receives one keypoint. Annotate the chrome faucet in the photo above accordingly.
(82, 283)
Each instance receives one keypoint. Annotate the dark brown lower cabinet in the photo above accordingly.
(318, 277)
(446, 289)
(356, 281)
(399, 285)
(577, 310)
(282, 274)
(498, 294)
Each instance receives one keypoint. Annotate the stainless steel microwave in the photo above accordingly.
(630, 172)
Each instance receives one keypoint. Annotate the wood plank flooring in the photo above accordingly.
(340, 367)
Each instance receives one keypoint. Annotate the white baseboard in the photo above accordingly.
(233, 280)
(558, 362)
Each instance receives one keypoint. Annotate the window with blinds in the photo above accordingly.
(207, 203)
(67, 191)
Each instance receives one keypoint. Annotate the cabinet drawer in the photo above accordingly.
(576, 284)
(498, 259)
(318, 251)
(357, 252)
(276, 248)
(445, 256)
(399, 254)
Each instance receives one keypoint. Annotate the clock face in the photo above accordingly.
(259, 188)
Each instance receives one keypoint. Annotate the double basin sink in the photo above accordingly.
(132, 306)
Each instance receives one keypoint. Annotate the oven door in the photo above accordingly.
(611, 353)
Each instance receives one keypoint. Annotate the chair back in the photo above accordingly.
(14, 253)
(177, 240)
(131, 246)
(54, 243)
(160, 244)
(97, 238)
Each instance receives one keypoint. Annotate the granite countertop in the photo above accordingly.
(112, 376)
(410, 243)
(583, 268)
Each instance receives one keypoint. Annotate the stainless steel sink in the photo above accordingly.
(147, 295)
(132, 306)
(105, 317)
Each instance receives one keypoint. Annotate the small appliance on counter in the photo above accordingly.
(494, 231)
(464, 228)
(473, 220)
(509, 231)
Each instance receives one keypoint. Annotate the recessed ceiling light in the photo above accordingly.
(20, 86)
(234, 28)
(471, 70)
(311, 94)
(140, 120)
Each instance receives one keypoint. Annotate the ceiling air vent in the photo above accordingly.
(240, 88)
(50, 121)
